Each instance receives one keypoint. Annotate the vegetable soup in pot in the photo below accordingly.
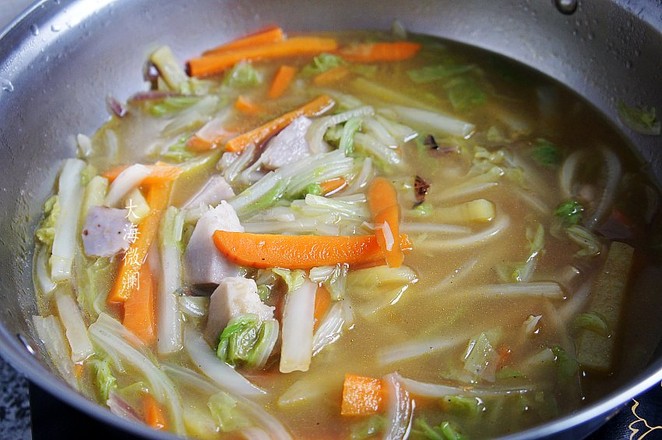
(343, 235)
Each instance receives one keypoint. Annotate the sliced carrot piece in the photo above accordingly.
(153, 413)
(331, 76)
(139, 312)
(282, 80)
(245, 106)
(322, 304)
(361, 395)
(375, 52)
(383, 204)
(260, 134)
(332, 186)
(263, 251)
(298, 46)
(271, 34)
(128, 276)
(159, 172)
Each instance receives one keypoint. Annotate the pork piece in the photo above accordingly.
(211, 194)
(288, 146)
(204, 263)
(234, 296)
(106, 232)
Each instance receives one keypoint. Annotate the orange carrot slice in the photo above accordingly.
(332, 186)
(128, 276)
(383, 204)
(260, 134)
(153, 413)
(298, 46)
(331, 76)
(139, 312)
(263, 251)
(159, 172)
(247, 107)
(375, 52)
(282, 80)
(322, 304)
(272, 34)
(361, 395)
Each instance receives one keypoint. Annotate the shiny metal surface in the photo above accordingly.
(63, 57)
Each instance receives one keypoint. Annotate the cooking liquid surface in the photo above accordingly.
(514, 110)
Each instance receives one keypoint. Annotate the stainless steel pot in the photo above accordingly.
(62, 57)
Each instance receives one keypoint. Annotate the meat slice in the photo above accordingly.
(234, 296)
(106, 232)
(204, 263)
(288, 146)
(211, 194)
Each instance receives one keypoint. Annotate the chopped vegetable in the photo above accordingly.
(361, 395)
(263, 251)
(383, 202)
(127, 280)
(323, 62)
(260, 134)
(153, 413)
(247, 341)
(592, 321)
(479, 210)
(225, 409)
(272, 34)
(139, 308)
(595, 352)
(331, 76)
(104, 378)
(380, 51)
(247, 107)
(640, 119)
(546, 153)
(293, 278)
(242, 76)
(215, 63)
(569, 212)
(371, 427)
(567, 367)
(443, 431)
(282, 80)
(322, 304)
(74, 326)
(297, 328)
(464, 93)
(439, 71)
(70, 195)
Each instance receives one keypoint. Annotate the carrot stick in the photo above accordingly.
(361, 395)
(282, 80)
(322, 304)
(373, 52)
(153, 413)
(383, 204)
(332, 186)
(128, 276)
(159, 172)
(272, 34)
(263, 251)
(139, 313)
(245, 106)
(260, 134)
(331, 76)
(297, 46)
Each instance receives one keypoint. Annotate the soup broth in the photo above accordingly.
(514, 198)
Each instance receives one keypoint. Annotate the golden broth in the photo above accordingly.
(512, 108)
